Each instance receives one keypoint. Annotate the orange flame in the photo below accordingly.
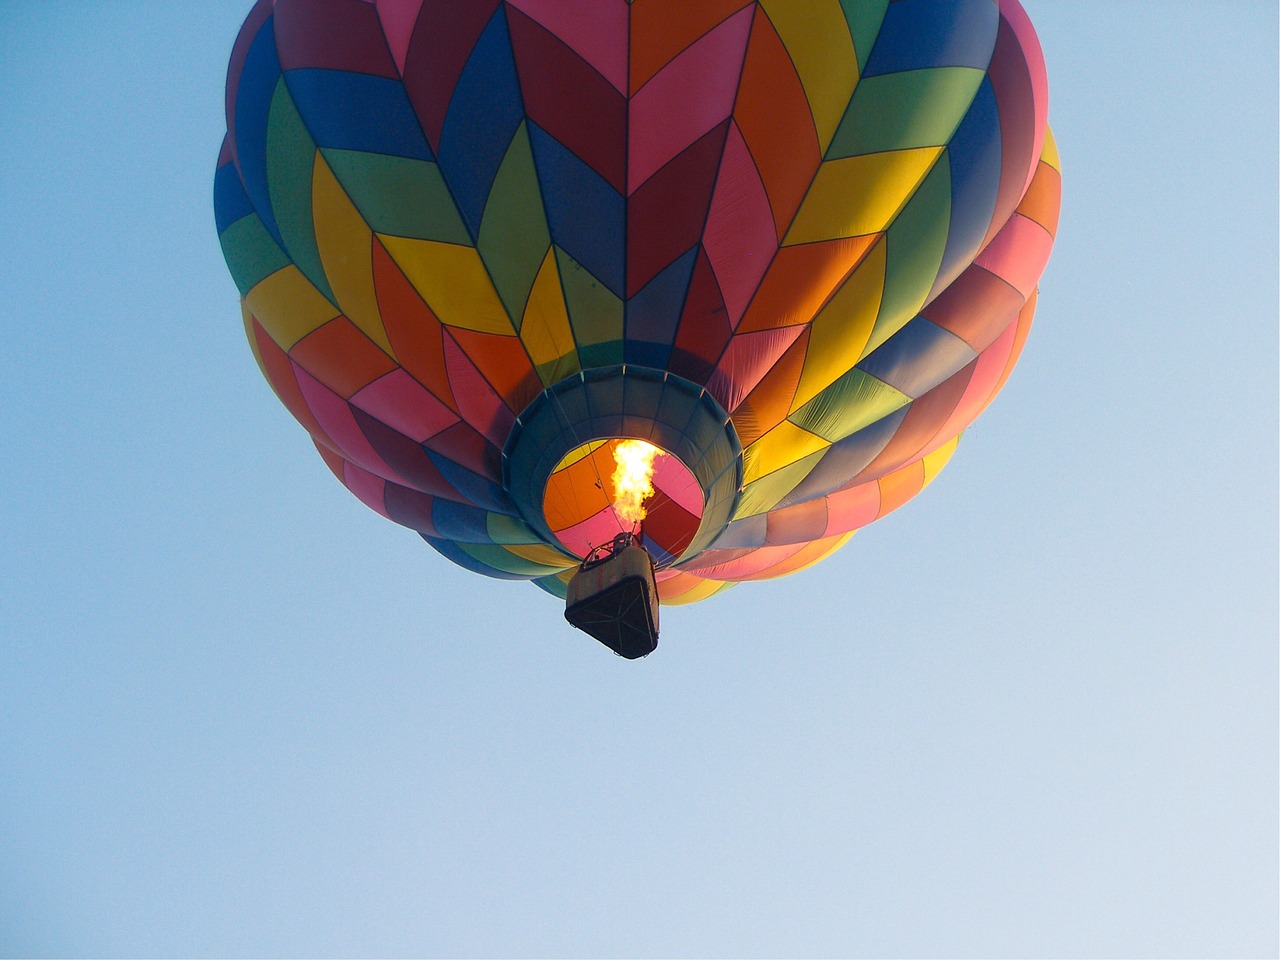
(633, 479)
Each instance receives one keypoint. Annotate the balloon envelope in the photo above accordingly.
(794, 246)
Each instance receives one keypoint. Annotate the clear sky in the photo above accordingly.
(1033, 713)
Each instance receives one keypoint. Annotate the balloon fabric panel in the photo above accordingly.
(479, 244)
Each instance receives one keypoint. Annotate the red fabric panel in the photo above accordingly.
(406, 458)
(333, 35)
(688, 97)
(773, 113)
(749, 357)
(976, 307)
(341, 357)
(852, 508)
(570, 100)
(416, 336)
(369, 489)
(704, 326)
(740, 240)
(462, 444)
(660, 29)
(478, 403)
(797, 524)
(507, 366)
(666, 215)
(280, 375)
(596, 30)
(443, 38)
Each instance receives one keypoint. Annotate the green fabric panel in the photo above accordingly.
(513, 234)
(595, 314)
(504, 529)
(898, 111)
(556, 370)
(764, 494)
(495, 556)
(600, 354)
(914, 247)
(291, 157)
(554, 586)
(252, 254)
(854, 401)
(864, 18)
(399, 196)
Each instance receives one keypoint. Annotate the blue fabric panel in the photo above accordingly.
(935, 33)
(483, 116)
(230, 202)
(554, 586)
(585, 214)
(355, 111)
(743, 534)
(847, 458)
(258, 82)
(975, 155)
(604, 394)
(918, 357)
(475, 488)
(653, 314)
(451, 551)
(460, 521)
(641, 397)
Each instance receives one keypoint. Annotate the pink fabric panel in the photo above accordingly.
(739, 239)
(677, 484)
(398, 18)
(581, 537)
(334, 416)
(367, 488)
(687, 98)
(748, 566)
(1016, 17)
(1018, 254)
(403, 404)
(853, 508)
(986, 375)
(597, 30)
(746, 361)
(479, 404)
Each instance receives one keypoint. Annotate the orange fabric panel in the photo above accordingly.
(341, 357)
(507, 366)
(662, 29)
(768, 404)
(801, 279)
(773, 114)
(900, 486)
(415, 333)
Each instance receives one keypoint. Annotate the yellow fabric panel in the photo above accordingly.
(453, 282)
(346, 251)
(817, 39)
(786, 443)
(1049, 154)
(767, 492)
(288, 306)
(934, 462)
(691, 589)
(855, 196)
(542, 554)
(545, 329)
(839, 333)
(578, 453)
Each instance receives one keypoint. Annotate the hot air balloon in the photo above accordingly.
(793, 247)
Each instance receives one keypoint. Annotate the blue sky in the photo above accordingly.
(1033, 713)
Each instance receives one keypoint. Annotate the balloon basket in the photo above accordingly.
(613, 597)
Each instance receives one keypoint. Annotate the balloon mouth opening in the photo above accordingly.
(559, 459)
(590, 498)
